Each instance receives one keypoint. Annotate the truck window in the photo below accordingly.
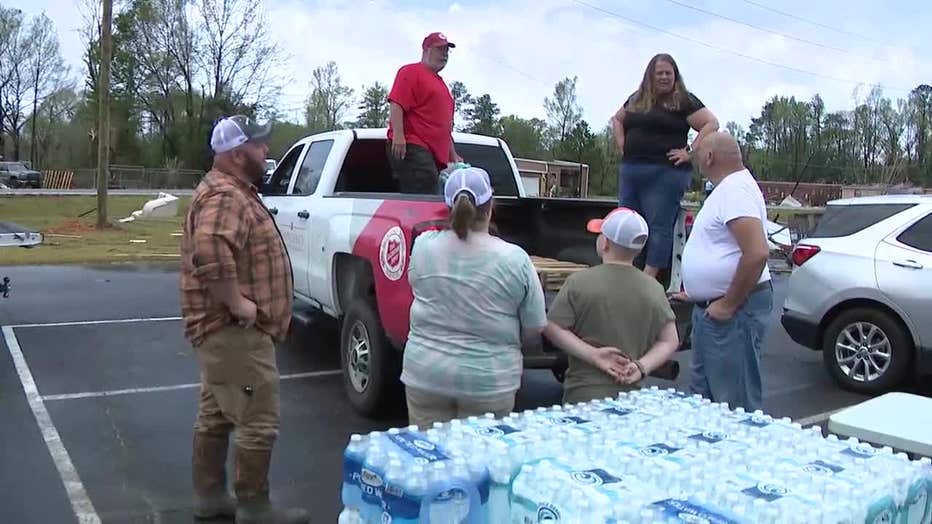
(281, 177)
(312, 167)
(494, 160)
(366, 168)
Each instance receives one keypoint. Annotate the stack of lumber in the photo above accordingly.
(553, 273)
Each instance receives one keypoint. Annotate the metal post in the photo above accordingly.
(103, 123)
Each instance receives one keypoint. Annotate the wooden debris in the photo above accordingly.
(553, 273)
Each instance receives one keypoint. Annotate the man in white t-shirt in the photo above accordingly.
(725, 274)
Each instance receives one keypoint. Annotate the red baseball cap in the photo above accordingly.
(436, 40)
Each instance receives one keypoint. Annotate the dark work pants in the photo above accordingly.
(417, 172)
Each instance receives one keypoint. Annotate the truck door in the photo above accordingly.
(276, 195)
(300, 207)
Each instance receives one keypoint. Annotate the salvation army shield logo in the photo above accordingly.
(392, 253)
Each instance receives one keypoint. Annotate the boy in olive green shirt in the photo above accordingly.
(614, 322)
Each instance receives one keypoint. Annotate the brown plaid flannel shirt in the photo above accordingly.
(228, 233)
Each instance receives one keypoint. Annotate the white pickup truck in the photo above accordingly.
(349, 235)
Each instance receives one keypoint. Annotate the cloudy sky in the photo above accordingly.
(733, 54)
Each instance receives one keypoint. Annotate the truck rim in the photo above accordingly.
(358, 355)
(863, 351)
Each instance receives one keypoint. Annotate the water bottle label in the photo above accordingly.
(757, 421)
(711, 437)
(371, 484)
(882, 511)
(351, 469)
(621, 412)
(400, 505)
(499, 430)
(594, 477)
(861, 450)
(687, 511)
(548, 513)
(657, 450)
(768, 492)
(418, 447)
(566, 421)
(823, 468)
(485, 489)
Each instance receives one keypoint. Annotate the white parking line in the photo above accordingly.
(95, 322)
(117, 392)
(80, 502)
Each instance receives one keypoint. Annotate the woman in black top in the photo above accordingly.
(651, 130)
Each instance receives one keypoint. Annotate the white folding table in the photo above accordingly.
(902, 421)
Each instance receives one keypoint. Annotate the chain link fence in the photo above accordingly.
(137, 177)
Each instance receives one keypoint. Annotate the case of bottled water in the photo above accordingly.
(649, 455)
(402, 476)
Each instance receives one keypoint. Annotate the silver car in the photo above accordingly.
(861, 291)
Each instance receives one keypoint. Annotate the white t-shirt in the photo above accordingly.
(711, 255)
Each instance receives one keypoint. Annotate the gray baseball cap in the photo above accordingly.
(233, 131)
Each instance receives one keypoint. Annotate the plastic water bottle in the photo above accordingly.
(442, 509)
(372, 482)
(481, 478)
(349, 516)
(353, 457)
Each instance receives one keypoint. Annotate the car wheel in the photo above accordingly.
(371, 367)
(866, 350)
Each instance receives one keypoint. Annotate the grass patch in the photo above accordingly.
(70, 238)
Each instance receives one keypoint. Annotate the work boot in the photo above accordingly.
(211, 499)
(252, 492)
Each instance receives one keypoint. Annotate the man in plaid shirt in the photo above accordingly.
(236, 289)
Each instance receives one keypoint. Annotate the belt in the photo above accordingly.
(767, 284)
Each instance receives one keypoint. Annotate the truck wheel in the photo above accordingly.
(371, 367)
(866, 350)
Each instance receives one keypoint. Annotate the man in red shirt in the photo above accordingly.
(421, 120)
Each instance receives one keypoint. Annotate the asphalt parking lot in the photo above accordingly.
(98, 394)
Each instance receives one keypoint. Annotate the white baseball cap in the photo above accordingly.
(623, 226)
(472, 180)
(234, 131)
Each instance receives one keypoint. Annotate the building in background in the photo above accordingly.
(554, 178)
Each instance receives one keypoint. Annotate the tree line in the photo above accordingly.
(180, 64)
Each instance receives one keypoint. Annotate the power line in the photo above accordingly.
(806, 20)
(727, 50)
(771, 31)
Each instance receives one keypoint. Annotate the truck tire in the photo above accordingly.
(371, 366)
(866, 350)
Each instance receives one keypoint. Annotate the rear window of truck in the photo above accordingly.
(843, 220)
(366, 168)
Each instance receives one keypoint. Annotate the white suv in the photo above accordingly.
(861, 291)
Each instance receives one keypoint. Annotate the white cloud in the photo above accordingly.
(516, 50)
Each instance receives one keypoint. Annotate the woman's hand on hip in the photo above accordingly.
(678, 156)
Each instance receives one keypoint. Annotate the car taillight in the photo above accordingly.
(804, 252)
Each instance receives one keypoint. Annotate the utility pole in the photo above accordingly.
(103, 118)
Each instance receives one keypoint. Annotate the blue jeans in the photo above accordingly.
(655, 191)
(726, 355)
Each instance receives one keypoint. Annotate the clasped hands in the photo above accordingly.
(614, 363)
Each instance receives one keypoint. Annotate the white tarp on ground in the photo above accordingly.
(164, 206)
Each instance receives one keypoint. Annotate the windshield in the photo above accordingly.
(14, 167)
